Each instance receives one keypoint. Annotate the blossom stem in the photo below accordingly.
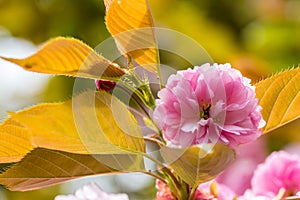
(157, 176)
(174, 184)
(126, 90)
(192, 193)
(161, 137)
(140, 88)
(153, 140)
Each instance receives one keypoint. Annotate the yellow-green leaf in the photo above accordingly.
(195, 165)
(279, 97)
(15, 141)
(130, 23)
(45, 167)
(71, 57)
(90, 123)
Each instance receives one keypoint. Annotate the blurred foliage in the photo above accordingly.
(39, 20)
(42, 194)
(287, 134)
(257, 37)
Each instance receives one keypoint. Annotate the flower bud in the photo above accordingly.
(105, 85)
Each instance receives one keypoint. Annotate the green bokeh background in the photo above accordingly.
(257, 37)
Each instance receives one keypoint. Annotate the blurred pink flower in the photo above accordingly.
(249, 195)
(203, 192)
(248, 156)
(222, 192)
(280, 171)
(208, 104)
(92, 192)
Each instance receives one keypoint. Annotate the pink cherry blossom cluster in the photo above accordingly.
(277, 178)
(280, 171)
(208, 104)
(215, 104)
